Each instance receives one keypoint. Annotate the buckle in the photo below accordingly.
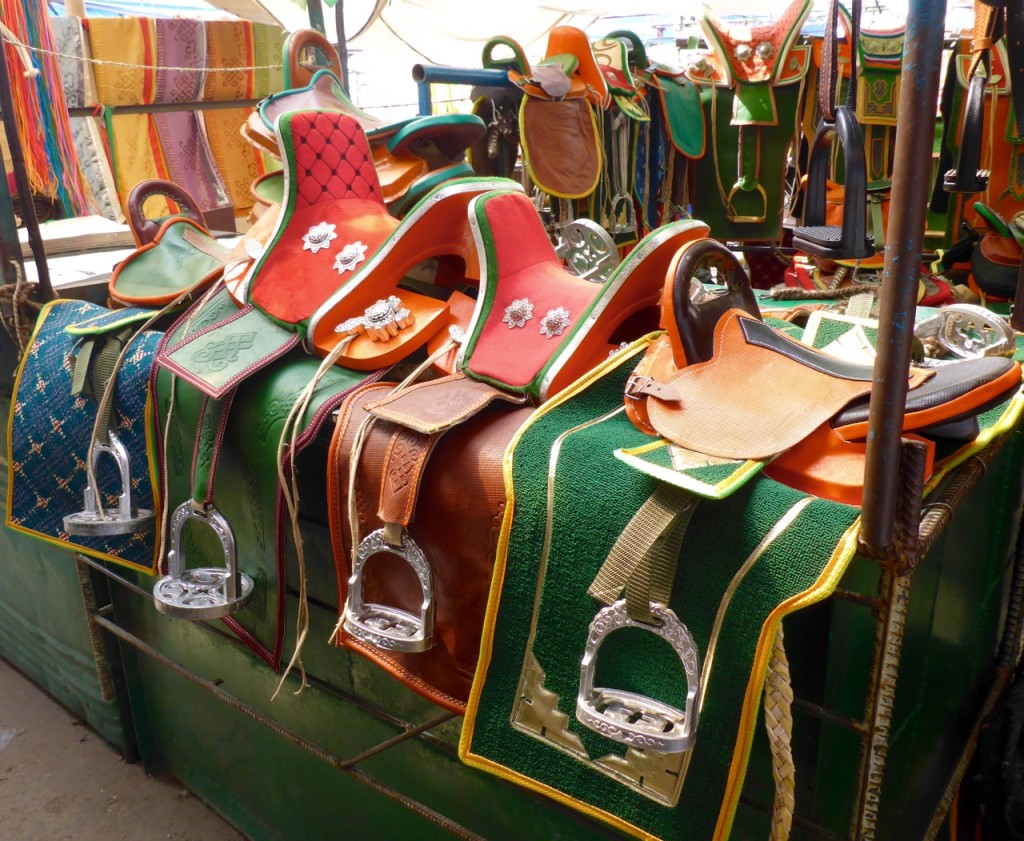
(636, 386)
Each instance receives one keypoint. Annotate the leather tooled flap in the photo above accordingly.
(438, 405)
(219, 357)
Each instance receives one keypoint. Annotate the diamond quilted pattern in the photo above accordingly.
(331, 159)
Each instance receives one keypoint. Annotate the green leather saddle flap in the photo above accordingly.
(705, 476)
(219, 357)
(182, 254)
(684, 114)
(108, 321)
(753, 104)
(567, 61)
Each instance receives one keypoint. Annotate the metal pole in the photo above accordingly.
(339, 22)
(28, 210)
(911, 188)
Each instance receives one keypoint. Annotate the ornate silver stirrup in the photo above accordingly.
(588, 250)
(968, 332)
(125, 519)
(384, 626)
(629, 718)
(203, 592)
(381, 321)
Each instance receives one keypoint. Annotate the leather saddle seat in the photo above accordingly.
(175, 254)
(754, 393)
(332, 264)
(405, 152)
(535, 328)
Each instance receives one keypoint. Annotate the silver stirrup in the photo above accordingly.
(203, 592)
(968, 332)
(588, 250)
(629, 718)
(124, 519)
(384, 626)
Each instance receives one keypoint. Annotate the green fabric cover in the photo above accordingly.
(595, 496)
(246, 486)
(717, 171)
(171, 266)
(684, 115)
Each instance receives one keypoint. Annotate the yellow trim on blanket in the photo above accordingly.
(1008, 421)
(494, 598)
(822, 588)
(53, 541)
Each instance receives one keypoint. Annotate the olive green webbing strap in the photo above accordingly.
(95, 364)
(643, 560)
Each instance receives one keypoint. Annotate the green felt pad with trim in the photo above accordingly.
(595, 495)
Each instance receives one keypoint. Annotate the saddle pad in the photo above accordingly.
(698, 473)
(458, 508)
(684, 115)
(48, 437)
(745, 563)
(561, 146)
(246, 488)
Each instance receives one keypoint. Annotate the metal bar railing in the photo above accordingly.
(425, 75)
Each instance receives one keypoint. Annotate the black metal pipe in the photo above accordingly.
(28, 210)
(911, 188)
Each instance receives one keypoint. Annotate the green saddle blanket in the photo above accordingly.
(50, 429)
(746, 561)
(246, 487)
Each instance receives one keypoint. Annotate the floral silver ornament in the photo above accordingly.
(743, 52)
(318, 237)
(349, 257)
(518, 313)
(381, 321)
(254, 249)
(555, 322)
(457, 334)
(617, 350)
(765, 50)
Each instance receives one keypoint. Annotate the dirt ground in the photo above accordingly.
(60, 781)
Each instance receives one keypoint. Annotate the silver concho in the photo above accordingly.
(617, 350)
(349, 257)
(381, 321)
(554, 322)
(383, 626)
(203, 592)
(765, 50)
(96, 521)
(457, 334)
(317, 237)
(630, 718)
(743, 52)
(254, 249)
(518, 313)
(588, 250)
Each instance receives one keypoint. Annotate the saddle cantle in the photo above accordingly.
(405, 152)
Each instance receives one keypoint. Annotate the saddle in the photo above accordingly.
(750, 88)
(405, 152)
(536, 328)
(496, 152)
(334, 232)
(709, 397)
(558, 130)
(175, 254)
